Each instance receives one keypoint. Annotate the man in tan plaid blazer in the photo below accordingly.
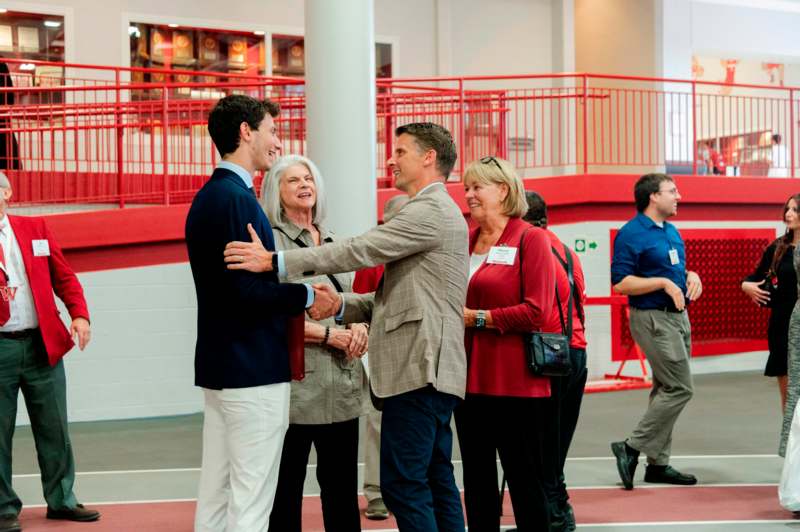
(417, 361)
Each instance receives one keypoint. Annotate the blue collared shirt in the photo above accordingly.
(248, 182)
(642, 248)
(238, 170)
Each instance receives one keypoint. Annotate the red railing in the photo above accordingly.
(85, 134)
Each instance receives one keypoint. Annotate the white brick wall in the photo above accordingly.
(140, 360)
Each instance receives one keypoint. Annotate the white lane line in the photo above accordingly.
(121, 472)
(684, 457)
(673, 486)
(361, 464)
(693, 523)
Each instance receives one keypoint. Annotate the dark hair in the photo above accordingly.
(782, 243)
(229, 113)
(537, 209)
(429, 136)
(776, 138)
(646, 185)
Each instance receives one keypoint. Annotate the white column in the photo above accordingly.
(444, 38)
(340, 108)
(563, 60)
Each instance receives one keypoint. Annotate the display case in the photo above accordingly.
(746, 154)
(37, 37)
(160, 46)
(288, 57)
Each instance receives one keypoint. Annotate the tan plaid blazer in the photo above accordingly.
(417, 328)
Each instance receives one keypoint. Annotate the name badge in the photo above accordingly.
(8, 292)
(41, 248)
(673, 257)
(501, 255)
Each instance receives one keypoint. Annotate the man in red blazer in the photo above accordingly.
(33, 340)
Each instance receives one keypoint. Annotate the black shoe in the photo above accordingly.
(569, 518)
(626, 463)
(9, 523)
(668, 475)
(79, 513)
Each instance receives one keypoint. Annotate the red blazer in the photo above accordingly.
(578, 339)
(496, 357)
(47, 275)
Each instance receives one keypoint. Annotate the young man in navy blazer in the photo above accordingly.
(241, 358)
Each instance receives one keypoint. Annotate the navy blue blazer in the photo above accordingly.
(241, 316)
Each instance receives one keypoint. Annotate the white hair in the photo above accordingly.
(4, 182)
(271, 193)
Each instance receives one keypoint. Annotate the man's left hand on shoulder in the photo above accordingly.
(81, 331)
(249, 256)
(694, 287)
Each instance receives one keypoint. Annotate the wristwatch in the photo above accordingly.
(480, 319)
(275, 261)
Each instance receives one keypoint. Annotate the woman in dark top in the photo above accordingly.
(776, 267)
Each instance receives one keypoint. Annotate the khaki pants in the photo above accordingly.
(665, 338)
(372, 456)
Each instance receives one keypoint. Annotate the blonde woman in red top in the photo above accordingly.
(505, 404)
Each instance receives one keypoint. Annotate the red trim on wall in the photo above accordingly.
(127, 256)
(122, 238)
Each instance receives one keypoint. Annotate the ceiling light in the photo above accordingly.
(52, 23)
(258, 32)
(172, 25)
(27, 66)
(3, 10)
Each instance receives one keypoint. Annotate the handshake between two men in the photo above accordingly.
(254, 257)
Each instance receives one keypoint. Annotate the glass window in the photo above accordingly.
(169, 46)
(33, 36)
(288, 57)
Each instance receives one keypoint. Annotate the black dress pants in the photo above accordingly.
(566, 397)
(337, 473)
(511, 427)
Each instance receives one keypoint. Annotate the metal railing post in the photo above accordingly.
(389, 122)
(585, 124)
(792, 137)
(694, 128)
(461, 122)
(119, 131)
(164, 139)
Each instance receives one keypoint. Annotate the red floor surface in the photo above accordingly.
(605, 505)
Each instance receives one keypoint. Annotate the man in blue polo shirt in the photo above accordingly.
(649, 266)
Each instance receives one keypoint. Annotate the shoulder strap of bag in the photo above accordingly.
(568, 267)
(558, 299)
(334, 281)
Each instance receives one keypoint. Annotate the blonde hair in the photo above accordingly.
(497, 171)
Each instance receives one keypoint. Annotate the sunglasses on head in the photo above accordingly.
(492, 159)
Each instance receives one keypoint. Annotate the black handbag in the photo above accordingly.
(547, 354)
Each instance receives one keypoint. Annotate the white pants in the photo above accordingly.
(243, 434)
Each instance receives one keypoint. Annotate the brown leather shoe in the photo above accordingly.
(79, 513)
(9, 523)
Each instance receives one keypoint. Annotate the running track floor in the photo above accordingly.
(143, 474)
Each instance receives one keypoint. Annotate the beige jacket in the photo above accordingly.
(333, 389)
(417, 326)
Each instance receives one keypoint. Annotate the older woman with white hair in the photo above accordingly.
(326, 405)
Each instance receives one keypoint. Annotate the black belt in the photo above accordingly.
(19, 335)
(671, 310)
